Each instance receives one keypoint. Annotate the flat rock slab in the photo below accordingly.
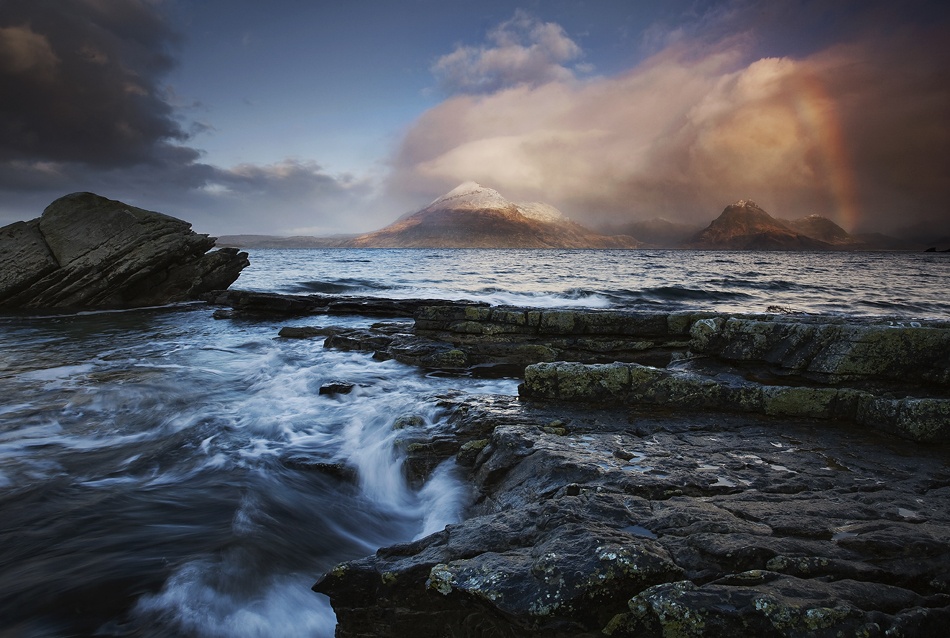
(914, 417)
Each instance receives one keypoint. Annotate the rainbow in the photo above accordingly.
(818, 112)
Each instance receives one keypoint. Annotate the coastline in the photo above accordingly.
(598, 510)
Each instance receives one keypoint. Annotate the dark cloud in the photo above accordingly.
(83, 106)
(81, 81)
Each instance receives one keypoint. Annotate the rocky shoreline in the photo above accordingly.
(661, 474)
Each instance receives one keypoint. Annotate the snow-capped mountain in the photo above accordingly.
(474, 216)
(469, 196)
(474, 196)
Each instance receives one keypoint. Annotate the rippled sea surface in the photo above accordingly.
(163, 473)
(865, 283)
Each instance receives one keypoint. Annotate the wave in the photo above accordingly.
(686, 293)
(574, 298)
(336, 286)
(770, 285)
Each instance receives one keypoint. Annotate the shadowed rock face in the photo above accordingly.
(87, 251)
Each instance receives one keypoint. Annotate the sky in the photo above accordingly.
(296, 117)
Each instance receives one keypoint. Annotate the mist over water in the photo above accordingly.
(166, 474)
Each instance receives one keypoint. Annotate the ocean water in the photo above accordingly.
(858, 283)
(162, 473)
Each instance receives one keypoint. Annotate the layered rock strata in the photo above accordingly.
(883, 373)
(87, 251)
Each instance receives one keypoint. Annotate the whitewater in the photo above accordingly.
(164, 473)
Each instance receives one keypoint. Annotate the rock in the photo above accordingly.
(830, 350)
(408, 421)
(337, 387)
(259, 304)
(702, 525)
(887, 374)
(920, 419)
(87, 251)
(303, 332)
(675, 474)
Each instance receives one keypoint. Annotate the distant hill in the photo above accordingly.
(926, 234)
(473, 216)
(822, 229)
(745, 226)
(276, 241)
(878, 241)
(656, 232)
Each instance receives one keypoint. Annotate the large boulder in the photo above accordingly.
(87, 251)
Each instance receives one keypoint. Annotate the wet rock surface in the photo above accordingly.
(658, 523)
(87, 251)
(667, 474)
(883, 373)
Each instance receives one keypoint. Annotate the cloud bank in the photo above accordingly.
(855, 131)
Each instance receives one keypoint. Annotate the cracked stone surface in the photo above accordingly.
(639, 522)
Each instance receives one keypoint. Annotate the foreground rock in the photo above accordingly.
(87, 251)
(638, 523)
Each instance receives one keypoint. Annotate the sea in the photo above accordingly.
(164, 473)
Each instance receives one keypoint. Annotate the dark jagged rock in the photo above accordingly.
(250, 304)
(87, 251)
(337, 387)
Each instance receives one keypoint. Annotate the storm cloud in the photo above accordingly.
(81, 81)
(84, 105)
(854, 131)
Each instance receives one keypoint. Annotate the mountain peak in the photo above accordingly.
(746, 203)
(745, 225)
(473, 216)
(470, 195)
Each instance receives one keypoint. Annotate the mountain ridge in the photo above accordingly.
(474, 216)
